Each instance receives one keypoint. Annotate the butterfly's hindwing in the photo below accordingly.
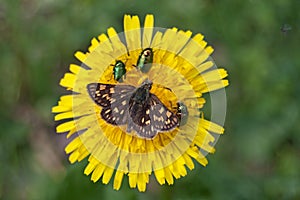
(147, 131)
(161, 117)
(115, 115)
(108, 116)
(151, 116)
(139, 113)
(119, 108)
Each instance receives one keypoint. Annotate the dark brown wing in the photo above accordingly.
(146, 131)
(114, 100)
(149, 118)
(161, 117)
(117, 112)
(140, 120)
(103, 94)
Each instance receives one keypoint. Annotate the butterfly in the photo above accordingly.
(141, 110)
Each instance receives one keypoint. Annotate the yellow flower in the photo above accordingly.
(181, 71)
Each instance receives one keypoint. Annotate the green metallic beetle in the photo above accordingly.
(145, 59)
(182, 113)
(119, 71)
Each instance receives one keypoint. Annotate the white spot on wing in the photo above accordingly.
(116, 110)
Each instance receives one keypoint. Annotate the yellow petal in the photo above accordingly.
(74, 156)
(106, 44)
(160, 176)
(73, 145)
(94, 44)
(143, 179)
(148, 31)
(169, 176)
(75, 68)
(132, 180)
(118, 180)
(97, 173)
(198, 38)
(68, 80)
(188, 161)
(89, 168)
(209, 50)
(119, 47)
(80, 56)
(180, 166)
(71, 132)
(57, 109)
(132, 32)
(83, 155)
(65, 115)
(208, 125)
(212, 86)
(202, 160)
(107, 175)
(64, 127)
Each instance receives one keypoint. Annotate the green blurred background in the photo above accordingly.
(256, 41)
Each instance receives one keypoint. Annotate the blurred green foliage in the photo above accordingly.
(257, 158)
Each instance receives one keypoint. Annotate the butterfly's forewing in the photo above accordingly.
(112, 115)
(104, 94)
(108, 116)
(114, 100)
(118, 112)
(100, 93)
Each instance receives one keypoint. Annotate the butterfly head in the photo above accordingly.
(147, 84)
